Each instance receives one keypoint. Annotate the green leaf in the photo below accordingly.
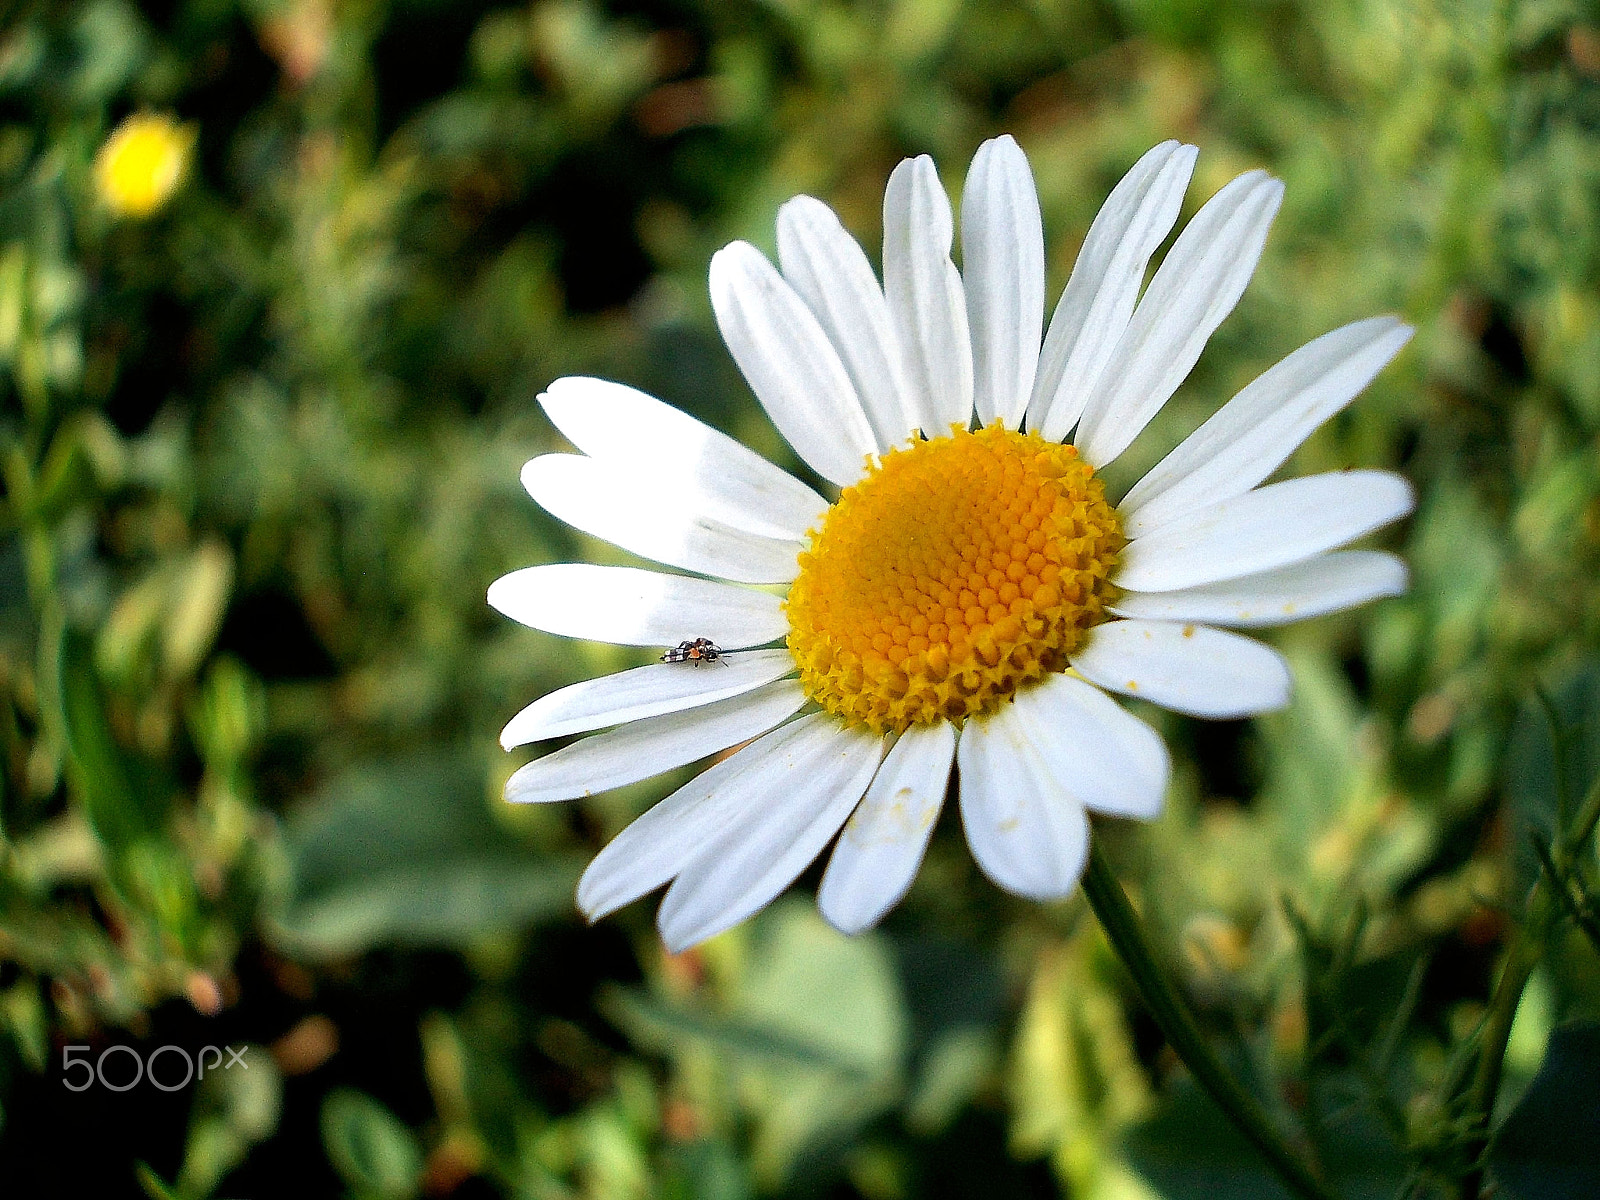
(834, 992)
(1534, 776)
(154, 1186)
(369, 1146)
(1190, 1151)
(672, 1028)
(704, 1170)
(813, 1037)
(1549, 1147)
(409, 852)
(121, 800)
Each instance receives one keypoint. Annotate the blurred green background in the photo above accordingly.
(260, 451)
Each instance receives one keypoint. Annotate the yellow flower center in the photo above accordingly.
(957, 571)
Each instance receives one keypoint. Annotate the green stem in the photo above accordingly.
(1527, 948)
(1588, 816)
(1122, 926)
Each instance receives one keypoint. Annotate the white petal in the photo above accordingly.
(881, 846)
(1097, 752)
(1199, 282)
(658, 845)
(1026, 834)
(642, 749)
(1270, 527)
(1252, 435)
(790, 364)
(1093, 311)
(827, 267)
(1002, 259)
(630, 607)
(642, 692)
(773, 837)
(1318, 585)
(923, 291)
(731, 482)
(648, 516)
(1187, 668)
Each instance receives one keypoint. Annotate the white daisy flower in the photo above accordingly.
(971, 596)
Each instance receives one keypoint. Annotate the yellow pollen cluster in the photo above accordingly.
(957, 571)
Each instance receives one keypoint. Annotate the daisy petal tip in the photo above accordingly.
(1280, 690)
(851, 925)
(552, 393)
(1275, 704)
(1156, 809)
(676, 938)
(1400, 580)
(1002, 145)
(560, 396)
(1261, 188)
(675, 946)
(1399, 496)
(1410, 494)
(1180, 164)
(1044, 893)
(595, 908)
(848, 909)
(736, 258)
(535, 475)
(500, 594)
(1159, 784)
(803, 209)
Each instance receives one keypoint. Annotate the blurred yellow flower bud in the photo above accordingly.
(142, 163)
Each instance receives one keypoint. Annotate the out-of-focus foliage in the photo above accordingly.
(260, 449)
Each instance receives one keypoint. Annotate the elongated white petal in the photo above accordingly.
(772, 839)
(642, 749)
(1199, 282)
(1095, 750)
(630, 607)
(790, 364)
(827, 267)
(925, 298)
(1002, 259)
(881, 846)
(649, 517)
(1318, 585)
(1253, 434)
(1094, 309)
(732, 483)
(643, 692)
(1026, 834)
(657, 845)
(1269, 527)
(1188, 668)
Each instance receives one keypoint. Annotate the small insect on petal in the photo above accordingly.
(701, 650)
